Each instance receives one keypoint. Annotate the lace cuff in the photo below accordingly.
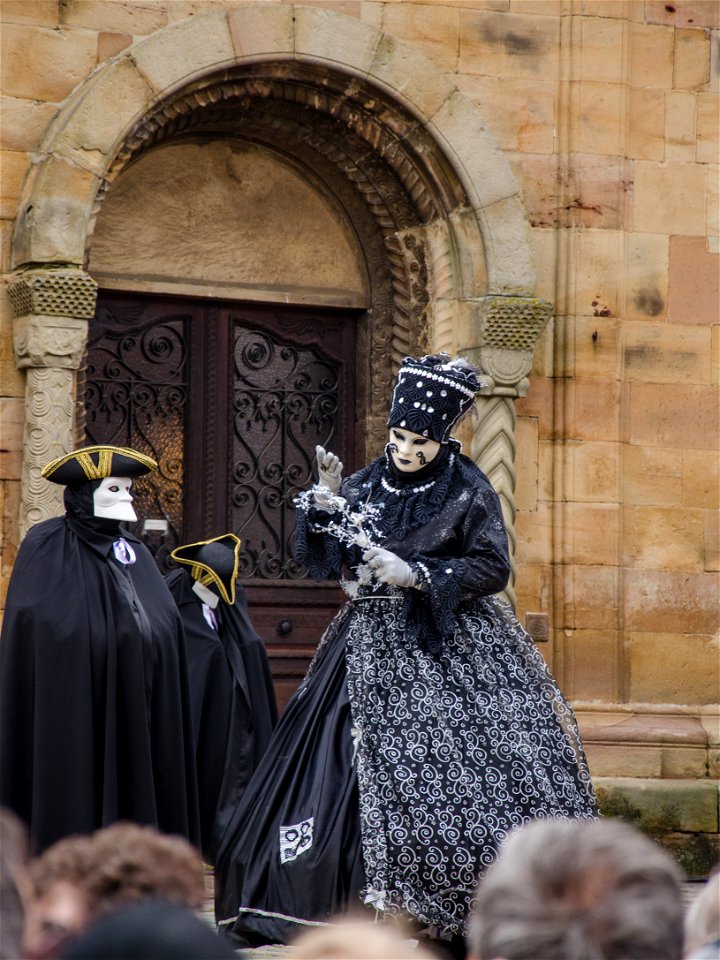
(430, 609)
(422, 575)
(445, 593)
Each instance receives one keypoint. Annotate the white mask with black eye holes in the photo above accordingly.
(112, 500)
(410, 451)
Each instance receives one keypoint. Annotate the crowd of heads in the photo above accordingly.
(560, 890)
(80, 880)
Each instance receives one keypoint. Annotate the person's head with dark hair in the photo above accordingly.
(14, 852)
(57, 903)
(130, 862)
(80, 879)
(579, 890)
(152, 930)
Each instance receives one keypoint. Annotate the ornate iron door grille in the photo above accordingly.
(231, 402)
(285, 401)
(135, 395)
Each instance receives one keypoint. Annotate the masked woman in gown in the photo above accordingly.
(428, 725)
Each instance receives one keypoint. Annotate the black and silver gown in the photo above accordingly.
(427, 728)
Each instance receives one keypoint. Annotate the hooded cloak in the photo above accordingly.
(233, 702)
(95, 723)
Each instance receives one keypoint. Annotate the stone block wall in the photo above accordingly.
(607, 111)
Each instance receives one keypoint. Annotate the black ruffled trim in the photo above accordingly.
(412, 506)
(430, 616)
(320, 553)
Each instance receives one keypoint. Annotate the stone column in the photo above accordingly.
(52, 309)
(504, 333)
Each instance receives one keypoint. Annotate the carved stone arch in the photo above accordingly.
(384, 126)
(370, 168)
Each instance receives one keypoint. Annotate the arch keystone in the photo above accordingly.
(183, 50)
(262, 32)
(329, 36)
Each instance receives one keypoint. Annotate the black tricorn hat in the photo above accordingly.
(213, 563)
(96, 463)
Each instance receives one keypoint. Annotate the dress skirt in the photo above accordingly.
(295, 854)
(397, 771)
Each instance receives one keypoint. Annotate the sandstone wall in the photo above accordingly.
(608, 113)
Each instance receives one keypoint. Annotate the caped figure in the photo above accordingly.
(95, 707)
(233, 701)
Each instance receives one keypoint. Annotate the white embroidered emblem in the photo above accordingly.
(296, 839)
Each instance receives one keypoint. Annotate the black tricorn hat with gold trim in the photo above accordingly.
(96, 463)
(214, 563)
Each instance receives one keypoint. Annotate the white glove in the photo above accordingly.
(387, 567)
(329, 469)
(322, 502)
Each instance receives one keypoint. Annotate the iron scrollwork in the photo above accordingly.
(285, 402)
(135, 395)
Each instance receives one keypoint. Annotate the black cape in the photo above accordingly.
(95, 718)
(233, 702)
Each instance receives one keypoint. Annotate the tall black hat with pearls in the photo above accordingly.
(432, 393)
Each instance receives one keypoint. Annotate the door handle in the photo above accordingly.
(284, 627)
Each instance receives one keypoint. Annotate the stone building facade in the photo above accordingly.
(531, 182)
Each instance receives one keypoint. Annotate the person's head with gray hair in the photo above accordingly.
(579, 890)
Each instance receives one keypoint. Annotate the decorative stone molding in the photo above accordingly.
(408, 262)
(47, 341)
(57, 293)
(48, 434)
(493, 448)
(505, 331)
(52, 310)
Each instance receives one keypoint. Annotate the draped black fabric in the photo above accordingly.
(94, 710)
(427, 728)
(305, 783)
(233, 702)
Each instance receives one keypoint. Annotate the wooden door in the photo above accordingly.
(231, 400)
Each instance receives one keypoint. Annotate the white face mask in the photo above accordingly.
(410, 451)
(112, 499)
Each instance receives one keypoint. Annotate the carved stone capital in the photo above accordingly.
(49, 341)
(505, 331)
(53, 293)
